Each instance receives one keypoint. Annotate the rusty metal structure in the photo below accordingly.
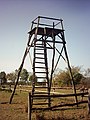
(47, 40)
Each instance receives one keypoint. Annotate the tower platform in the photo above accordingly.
(48, 33)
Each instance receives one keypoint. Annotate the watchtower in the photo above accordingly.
(46, 37)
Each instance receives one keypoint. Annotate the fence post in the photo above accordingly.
(29, 106)
(89, 101)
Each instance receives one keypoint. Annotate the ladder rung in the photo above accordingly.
(44, 47)
(40, 62)
(40, 72)
(39, 49)
(42, 82)
(40, 93)
(40, 87)
(41, 77)
(39, 58)
(41, 67)
(40, 53)
(40, 97)
(39, 44)
(40, 103)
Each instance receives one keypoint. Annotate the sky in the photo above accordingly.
(15, 21)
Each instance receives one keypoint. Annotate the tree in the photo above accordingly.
(24, 75)
(77, 78)
(11, 76)
(63, 77)
(87, 72)
(3, 77)
(31, 78)
(86, 79)
(76, 71)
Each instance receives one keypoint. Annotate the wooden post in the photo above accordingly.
(20, 69)
(29, 106)
(88, 101)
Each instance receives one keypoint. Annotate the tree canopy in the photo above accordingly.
(24, 75)
(87, 72)
(31, 78)
(63, 77)
(3, 77)
(11, 76)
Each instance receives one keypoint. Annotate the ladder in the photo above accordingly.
(40, 71)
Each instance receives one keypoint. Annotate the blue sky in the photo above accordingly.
(15, 22)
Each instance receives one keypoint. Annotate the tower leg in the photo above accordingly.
(20, 69)
(73, 84)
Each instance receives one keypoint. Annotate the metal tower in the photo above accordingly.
(46, 37)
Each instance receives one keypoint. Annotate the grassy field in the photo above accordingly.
(18, 109)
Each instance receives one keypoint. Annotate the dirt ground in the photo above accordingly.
(17, 110)
(14, 111)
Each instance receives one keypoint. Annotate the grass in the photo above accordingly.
(18, 109)
(63, 114)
